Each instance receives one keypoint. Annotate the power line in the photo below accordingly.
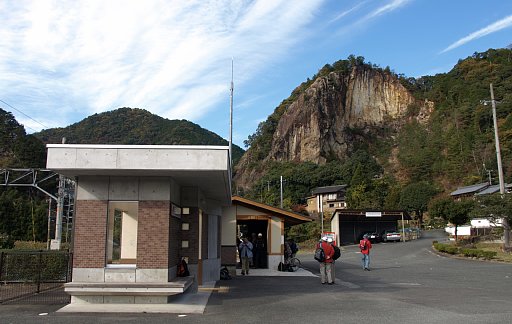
(21, 112)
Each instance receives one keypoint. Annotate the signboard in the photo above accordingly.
(373, 214)
(331, 235)
(175, 211)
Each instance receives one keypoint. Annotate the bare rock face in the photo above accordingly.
(317, 126)
(314, 127)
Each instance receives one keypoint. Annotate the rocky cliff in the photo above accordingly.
(319, 125)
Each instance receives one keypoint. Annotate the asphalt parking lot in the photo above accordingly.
(408, 283)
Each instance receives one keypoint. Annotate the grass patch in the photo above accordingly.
(495, 247)
(463, 251)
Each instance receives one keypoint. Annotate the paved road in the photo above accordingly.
(408, 284)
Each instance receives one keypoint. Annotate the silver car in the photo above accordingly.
(391, 236)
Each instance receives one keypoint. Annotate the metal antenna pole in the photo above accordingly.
(231, 116)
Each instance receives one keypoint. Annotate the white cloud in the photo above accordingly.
(169, 57)
(492, 28)
(391, 6)
(347, 12)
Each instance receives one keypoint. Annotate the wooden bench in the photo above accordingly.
(174, 287)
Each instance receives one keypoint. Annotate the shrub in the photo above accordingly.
(451, 249)
(6, 241)
(471, 253)
(489, 254)
(446, 248)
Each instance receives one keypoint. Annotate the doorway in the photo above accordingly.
(256, 231)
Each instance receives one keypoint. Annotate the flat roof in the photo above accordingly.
(371, 214)
(202, 166)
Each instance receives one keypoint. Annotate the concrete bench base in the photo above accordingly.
(177, 286)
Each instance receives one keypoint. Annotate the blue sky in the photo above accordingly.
(62, 61)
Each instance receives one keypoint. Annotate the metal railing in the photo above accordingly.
(24, 274)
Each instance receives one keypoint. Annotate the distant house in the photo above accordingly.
(469, 191)
(478, 190)
(326, 199)
(494, 189)
(472, 191)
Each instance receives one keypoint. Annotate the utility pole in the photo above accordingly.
(281, 192)
(60, 210)
(506, 226)
(232, 88)
(49, 223)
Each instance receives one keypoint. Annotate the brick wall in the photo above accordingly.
(174, 241)
(204, 241)
(192, 236)
(153, 235)
(90, 233)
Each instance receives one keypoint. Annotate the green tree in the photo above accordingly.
(415, 198)
(455, 212)
(496, 207)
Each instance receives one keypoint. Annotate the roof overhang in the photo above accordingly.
(290, 218)
(205, 167)
(365, 215)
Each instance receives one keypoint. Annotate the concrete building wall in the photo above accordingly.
(276, 232)
(228, 221)
(132, 158)
(335, 227)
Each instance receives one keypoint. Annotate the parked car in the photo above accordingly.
(374, 237)
(393, 236)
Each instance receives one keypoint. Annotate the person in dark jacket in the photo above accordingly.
(260, 252)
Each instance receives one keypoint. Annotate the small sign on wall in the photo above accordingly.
(175, 211)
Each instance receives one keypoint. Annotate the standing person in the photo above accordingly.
(326, 265)
(294, 247)
(333, 265)
(365, 245)
(287, 252)
(245, 255)
(260, 252)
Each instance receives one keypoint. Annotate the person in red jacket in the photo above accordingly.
(325, 267)
(365, 245)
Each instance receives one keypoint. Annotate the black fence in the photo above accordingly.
(34, 275)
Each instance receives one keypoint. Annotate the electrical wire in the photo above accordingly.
(21, 112)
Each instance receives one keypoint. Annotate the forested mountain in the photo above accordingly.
(23, 211)
(386, 135)
(133, 126)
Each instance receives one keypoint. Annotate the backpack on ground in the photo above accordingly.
(320, 254)
(224, 274)
(282, 267)
(182, 269)
(337, 252)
